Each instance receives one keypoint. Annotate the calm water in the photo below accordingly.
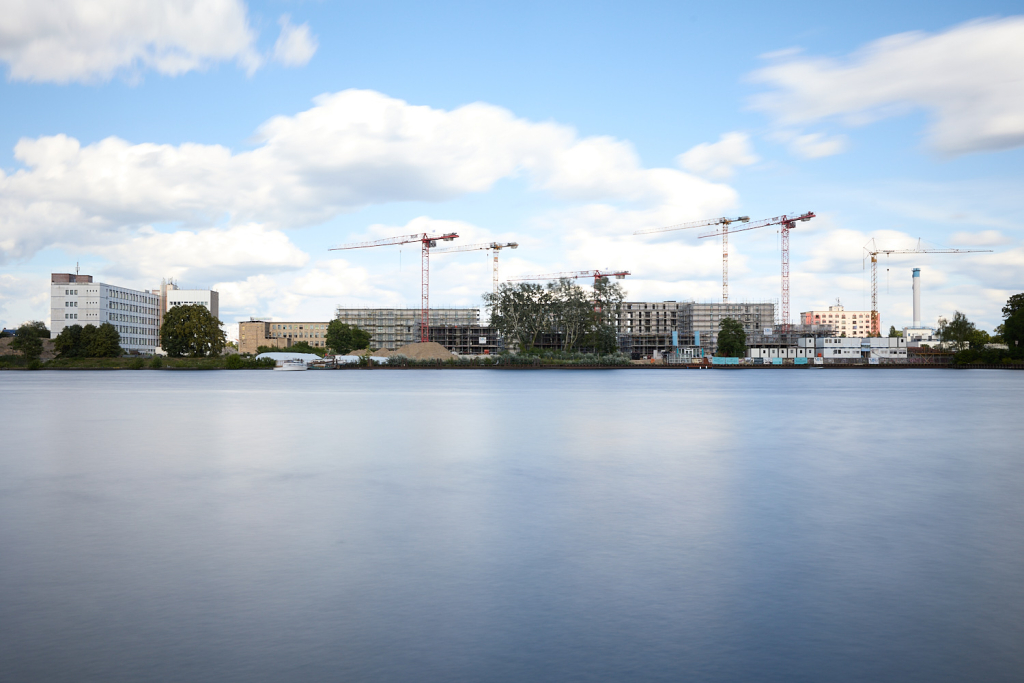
(845, 525)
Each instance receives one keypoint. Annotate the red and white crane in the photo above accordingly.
(787, 223)
(575, 274)
(490, 246)
(427, 241)
(723, 231)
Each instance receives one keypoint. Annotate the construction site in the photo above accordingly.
(667, 332)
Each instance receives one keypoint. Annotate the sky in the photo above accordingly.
(231, 145)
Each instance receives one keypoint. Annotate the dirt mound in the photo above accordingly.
(47, 354)
(423, 351)
(367, 352)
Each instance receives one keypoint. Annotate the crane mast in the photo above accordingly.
(723, 231)
(786, 223)
(426, 241)
(490, 246)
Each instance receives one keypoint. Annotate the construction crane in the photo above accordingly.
(787, 223)
(490, 246)
(427, 241)
(875, 251)
(572, 275)
(723, 231)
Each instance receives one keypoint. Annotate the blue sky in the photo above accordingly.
(232, 144)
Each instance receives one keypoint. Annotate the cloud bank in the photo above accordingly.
(61, 41)
(968, 78)
(352, 149)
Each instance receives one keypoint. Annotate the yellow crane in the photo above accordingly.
(874, 251)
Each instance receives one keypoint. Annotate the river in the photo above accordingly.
(512, 525)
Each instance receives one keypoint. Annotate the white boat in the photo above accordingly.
(291, 364)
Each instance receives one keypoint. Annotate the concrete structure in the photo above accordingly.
(852, 323)
(279, 335)
(77, 300)
(170, 295)
(466, 340)
(686, 329)
(918, 335)
(390, 328)
(471, 339)
(917, 296)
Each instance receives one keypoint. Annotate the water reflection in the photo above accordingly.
(491, 525)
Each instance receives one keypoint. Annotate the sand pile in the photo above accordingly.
(418, 351)
(423, 351)
(384, 353)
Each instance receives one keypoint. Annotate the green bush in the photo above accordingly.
(35, 364)
(156, 363)
(236, 362)
(136, 364)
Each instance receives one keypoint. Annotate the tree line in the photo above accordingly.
(559, 313)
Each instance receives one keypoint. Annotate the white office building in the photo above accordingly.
(77, 300)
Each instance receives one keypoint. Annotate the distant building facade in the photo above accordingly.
(458, 337)
(390, 328)
(77, 300)
(279, 335)
(852, 323)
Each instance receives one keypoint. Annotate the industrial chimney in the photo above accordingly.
(917, 298)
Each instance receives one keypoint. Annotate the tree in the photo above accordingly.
(1013, 322)
(75, 341)
(28, 340)
(36, 327)
(572, 312)
(1014, 304)
(732, 340)
(978, 339)
(105, 342)
(68, 344)
(342, 337)
(191, 330)
(608, 298)
(519, 312)
(957, 332)
(893, 332)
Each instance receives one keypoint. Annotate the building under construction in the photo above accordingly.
(670, 328)
(456, 329)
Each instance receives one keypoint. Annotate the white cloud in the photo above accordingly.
(296, 45)
(719, 159)
(203, 255)
(352, 149)
(969, 78)
(985, 238)
(817, 145)
(23, 299)
(253, 294)
(61, 41)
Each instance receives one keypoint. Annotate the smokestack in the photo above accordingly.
(917, 297)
